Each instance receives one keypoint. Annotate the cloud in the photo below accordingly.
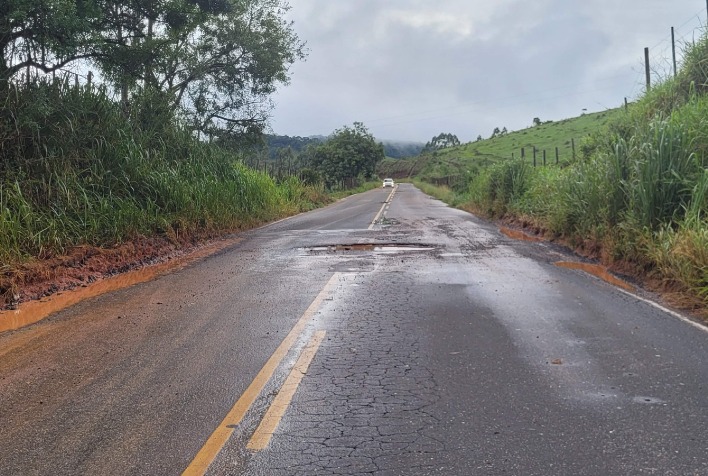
(411, 69)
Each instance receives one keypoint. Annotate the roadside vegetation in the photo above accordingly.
(345, 160)
(132, 129)
(76, 171)
(636, 195)
(153, 146)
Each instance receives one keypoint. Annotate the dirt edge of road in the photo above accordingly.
(83, 266)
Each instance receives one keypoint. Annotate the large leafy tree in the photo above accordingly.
(350, 152)
(139, 38)
(216, 61)
(237, 63)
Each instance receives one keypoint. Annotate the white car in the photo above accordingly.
(388, 183)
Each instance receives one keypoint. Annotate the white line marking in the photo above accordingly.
(675, 314)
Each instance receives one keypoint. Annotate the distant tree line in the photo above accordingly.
(441, 141)
(392, 149)
(402, 150)
(277, 143)
(348, 155)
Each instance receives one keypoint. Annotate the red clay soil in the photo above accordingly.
(84, 265)
(519, 235)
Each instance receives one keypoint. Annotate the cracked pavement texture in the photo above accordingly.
(476, 356)
(471, 359)
(367, 404)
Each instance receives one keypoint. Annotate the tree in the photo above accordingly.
(536, 121)
(350, 152)
(216, 61)
(504, 131)
(479, 138)
(441, 141)
(213, 62)
(495, 132)
(44, 35)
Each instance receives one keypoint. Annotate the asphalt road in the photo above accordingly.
(425, 343)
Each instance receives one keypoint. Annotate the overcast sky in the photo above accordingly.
(410, 69)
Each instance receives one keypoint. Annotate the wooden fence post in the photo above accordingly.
(647, 69)
(556, 155)
(673, 48)
(572, 144)
(534, 156)
(544, 157)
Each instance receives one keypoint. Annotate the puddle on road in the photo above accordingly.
(519, 235)
(374, 247)
(597, 271)
(31, 312)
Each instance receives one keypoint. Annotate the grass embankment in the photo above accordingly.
(637, 195)
(75, 170)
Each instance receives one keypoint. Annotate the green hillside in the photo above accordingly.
(469, 158)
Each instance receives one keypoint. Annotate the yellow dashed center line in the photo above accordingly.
(223, 432)
(265, 430)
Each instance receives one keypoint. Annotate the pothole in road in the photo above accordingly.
(372, 247)
(387, 222)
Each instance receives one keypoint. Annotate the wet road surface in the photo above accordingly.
(425, 343)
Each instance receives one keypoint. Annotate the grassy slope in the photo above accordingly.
(473, 155)
(636, 195)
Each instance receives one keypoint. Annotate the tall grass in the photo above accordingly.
(75, 169)
(682, 253)
(501, 185)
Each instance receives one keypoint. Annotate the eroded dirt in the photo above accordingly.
(86, 266)
(519, 235)
(599, 271)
